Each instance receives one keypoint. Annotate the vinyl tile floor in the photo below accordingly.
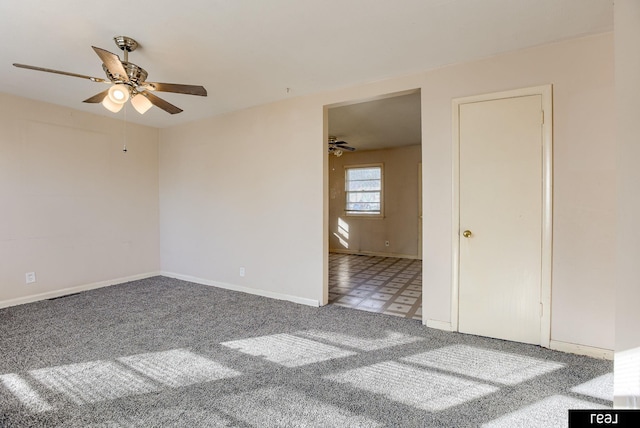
(386, 285)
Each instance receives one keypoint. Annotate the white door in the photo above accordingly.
(500, 202)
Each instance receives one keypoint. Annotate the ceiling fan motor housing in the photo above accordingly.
(137, 75)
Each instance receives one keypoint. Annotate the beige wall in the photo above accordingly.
(627, 60)
(75, 209)
(250, 188)
(246, 190)
(581, 72)
(400, 223)
(627, 20)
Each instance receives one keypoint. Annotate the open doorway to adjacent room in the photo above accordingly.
(375, 205)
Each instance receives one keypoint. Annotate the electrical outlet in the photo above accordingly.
(242, 271)
(30, 277)
(386, 243)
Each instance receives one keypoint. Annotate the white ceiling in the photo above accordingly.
(379, 124)
(248, 52)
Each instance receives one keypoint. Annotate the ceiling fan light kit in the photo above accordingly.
(116, 97)
(128, 82)
(110, 105)
(141, 103)
(119, 94)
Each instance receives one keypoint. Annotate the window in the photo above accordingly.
(363, 188)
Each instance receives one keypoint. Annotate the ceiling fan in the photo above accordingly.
(338, 147)
(128, 82)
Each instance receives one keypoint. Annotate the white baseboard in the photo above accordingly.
(440, 325)
(373, 253)
(589, 351)
(72, 290)
(248, 290)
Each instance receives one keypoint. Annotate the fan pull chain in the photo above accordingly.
(124, 130)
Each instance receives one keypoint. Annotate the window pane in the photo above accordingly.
(372, 207)
(363, 188)
(363, 185)
(364, 173)
(363, 197)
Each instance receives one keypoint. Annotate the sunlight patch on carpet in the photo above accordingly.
(21, 390)
(552, 412)
(627, 378)
(388, 339)
(288, 350)
(484, 364)
(415, 387)
(283, 407)
(600, 387)
(93, 381)
(178, 367)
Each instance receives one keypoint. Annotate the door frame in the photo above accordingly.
(546, 91)
(420, 225)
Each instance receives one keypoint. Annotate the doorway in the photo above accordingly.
(502, 224)
(374, 237)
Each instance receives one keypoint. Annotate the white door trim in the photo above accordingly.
(547, 200)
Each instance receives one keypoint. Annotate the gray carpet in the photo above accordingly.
(162, 352)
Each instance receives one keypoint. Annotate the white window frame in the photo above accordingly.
(346, 192)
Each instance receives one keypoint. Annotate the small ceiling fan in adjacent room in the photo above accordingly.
(338, 147)
(128, 81)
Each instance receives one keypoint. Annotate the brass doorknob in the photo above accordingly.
(467, 233)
